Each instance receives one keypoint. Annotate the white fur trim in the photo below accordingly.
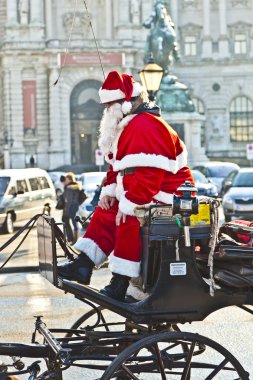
(164, 197)
(126, 206)
(126, 120)
(122, 124)
(107, 96)
(138, 88)
(108, 190)
(151, 160)
(126, 107)
(124, 267)
(92, 250)
(119, 189)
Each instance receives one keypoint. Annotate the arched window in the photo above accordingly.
(200, 108)
(241, 119)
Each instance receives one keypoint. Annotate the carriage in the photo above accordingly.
(179, 284)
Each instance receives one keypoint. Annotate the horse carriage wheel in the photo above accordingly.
(163, 356)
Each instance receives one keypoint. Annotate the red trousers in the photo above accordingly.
(123, 242)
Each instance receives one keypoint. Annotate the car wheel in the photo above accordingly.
(228, 218)
(8, 224)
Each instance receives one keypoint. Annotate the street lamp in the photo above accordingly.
(151, 77)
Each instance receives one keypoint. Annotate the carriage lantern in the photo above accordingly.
(151, 77)
(186, 205)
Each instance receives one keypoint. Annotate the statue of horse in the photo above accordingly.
(161, 40)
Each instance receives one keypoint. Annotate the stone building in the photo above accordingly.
(57, 124)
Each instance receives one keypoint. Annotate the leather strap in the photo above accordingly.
(127, 171)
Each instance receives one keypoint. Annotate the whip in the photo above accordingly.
(69, 41)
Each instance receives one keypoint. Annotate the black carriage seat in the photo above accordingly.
(233, 266)
(233, 259)
(179, 294)
(163, 229)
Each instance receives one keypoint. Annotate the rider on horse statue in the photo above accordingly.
(161, 40)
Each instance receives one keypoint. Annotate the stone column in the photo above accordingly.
(223, 40)
(49, 19)
(37, 12)
(11, 11)
(251, 37)
(7, 115)
(207, 40)
(174, 13)
(124, 12)
(23, 8)
(108, 17)
(55, 132)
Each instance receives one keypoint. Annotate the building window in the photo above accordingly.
(240, 44)
(190, 46)
(199, 107)
(241, 120)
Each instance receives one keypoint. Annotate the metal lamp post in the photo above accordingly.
(151, 77)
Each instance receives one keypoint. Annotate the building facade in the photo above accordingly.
(49, 112)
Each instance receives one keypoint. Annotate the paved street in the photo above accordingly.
(26, 294)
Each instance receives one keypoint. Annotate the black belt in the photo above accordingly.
(127, 171)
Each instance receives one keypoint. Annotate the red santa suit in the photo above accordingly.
(148, 163)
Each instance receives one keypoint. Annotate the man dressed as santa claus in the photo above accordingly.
(148, 162)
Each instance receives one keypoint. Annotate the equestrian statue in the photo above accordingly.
(161, 40)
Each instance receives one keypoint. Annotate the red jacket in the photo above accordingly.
(159, 158)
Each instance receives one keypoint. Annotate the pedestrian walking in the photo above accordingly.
(71, 202)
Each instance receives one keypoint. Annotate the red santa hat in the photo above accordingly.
(119, 86)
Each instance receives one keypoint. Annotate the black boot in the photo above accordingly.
(78, 270)
(117, 287)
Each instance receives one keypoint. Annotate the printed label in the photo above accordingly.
(185, 204)
(178, 269)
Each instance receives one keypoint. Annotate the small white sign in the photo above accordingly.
(178, 269)
(185, 204)
(99, 157)
(249, 151)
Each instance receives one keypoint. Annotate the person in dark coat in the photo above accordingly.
(71, 205)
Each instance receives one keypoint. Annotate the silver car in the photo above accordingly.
(238, 200)
(216, 171)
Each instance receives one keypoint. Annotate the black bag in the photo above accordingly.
(60, 203)
(82, 196)
(95, 199)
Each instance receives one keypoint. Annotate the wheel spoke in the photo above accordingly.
(217, 369)
(188, 362)
(160, 361)
(129, 373)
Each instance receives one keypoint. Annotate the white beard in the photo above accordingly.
(109, 127)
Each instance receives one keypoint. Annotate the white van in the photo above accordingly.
(23, 194)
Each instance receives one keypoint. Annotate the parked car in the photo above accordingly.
(58, 184)
(204, 186)
(90, 181)
(88, 206)
(226, 183)
(23, 194)
(216, 171)
(238, 200)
